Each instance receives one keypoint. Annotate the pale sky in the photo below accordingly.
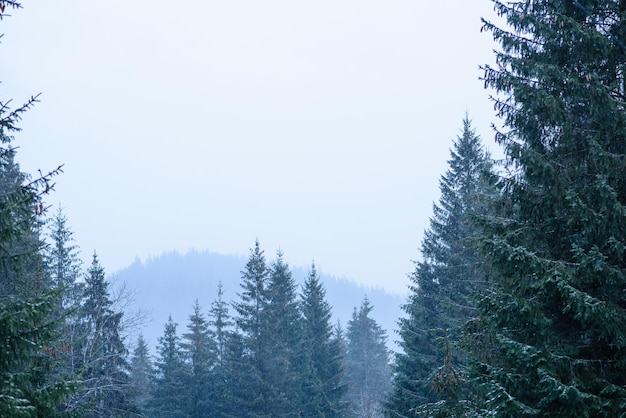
(320, 128)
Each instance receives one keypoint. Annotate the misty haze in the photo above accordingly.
(335, 209)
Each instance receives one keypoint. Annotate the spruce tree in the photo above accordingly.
(22, 268)
(221, 324)
(142, 374)
(222, 334)
(368, 372)
(550, 339)
(63, 266)
(170, 396)
(444, 286)
(240, 396)
(252, 324)
(103, 365)
(30, 383)
(63, 259)
(324, 386)
(285, 361)
(199, 351)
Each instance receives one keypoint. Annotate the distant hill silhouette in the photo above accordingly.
(169, 284)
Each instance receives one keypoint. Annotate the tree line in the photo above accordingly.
(278, 354)
(516, 307)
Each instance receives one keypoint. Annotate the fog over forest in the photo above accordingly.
(514, 306)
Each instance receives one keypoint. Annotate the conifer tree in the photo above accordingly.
(63, 266)
(240, 396)
(368, 372)
(285, 361)
(21, 260)
(222, 333)
(103, 365)
(221, 324)
(28, 330)
(30, 385)
(445, 285)
(199, 351)
(141, 374)
(62, 259)
(169, 399)
(550, 339)
(324, 387)
(253, 325)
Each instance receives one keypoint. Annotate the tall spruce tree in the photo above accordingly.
(368, 372)
(285, 361)
(551, 336)
(63, 266)
(445, 285)
(170, 396)
(252, 323)
(30, 384)
(103, 365)
(199, 350)
(221, 374)
(324, 385)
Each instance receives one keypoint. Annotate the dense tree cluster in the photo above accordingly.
(278, 355)
(542, 327)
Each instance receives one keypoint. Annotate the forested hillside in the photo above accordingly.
(168, 285)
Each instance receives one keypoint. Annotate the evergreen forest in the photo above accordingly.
(516, 307)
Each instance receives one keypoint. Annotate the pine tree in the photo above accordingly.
(63, 266)
(285, 360)
(141, 374)
(551, 336)
(445, 285)
(221, 324)
(368, 371)
(199, 351)
(30, 386)
(324, 388)
(27, 331)
(62, 258)
(22, 272)
(240, 396)
(103, 365)
(253, 324)
(222, 333)
(169, 399)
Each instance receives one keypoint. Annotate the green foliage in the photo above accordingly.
(142, 374)
(444, 286)
(368, 372)
(324, 387)
(62, 260)
(27, 330)
(551, 337)
(272, 355)
(254, 348)
(102, 363)
(170, 396)
(30, 383)
(199, 350)
(285, 362)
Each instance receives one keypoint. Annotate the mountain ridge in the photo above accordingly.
(169, 284)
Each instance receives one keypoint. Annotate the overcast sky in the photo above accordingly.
(320, 128)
